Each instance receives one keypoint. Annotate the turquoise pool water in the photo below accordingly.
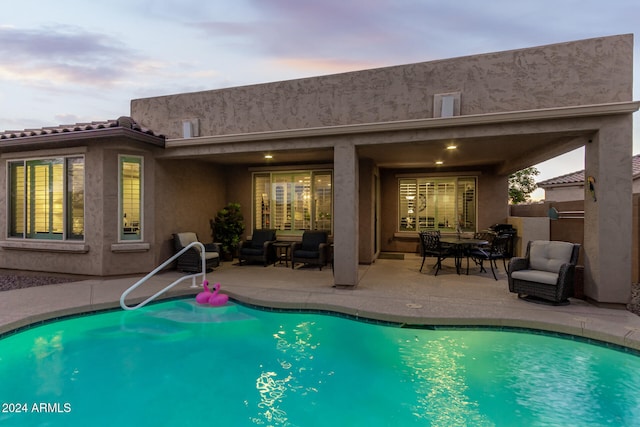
(178, 364)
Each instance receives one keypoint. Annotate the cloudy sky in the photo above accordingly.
(70, 61)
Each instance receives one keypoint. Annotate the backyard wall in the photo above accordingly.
(571, 228)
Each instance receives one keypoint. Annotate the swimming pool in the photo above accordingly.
(176, 363)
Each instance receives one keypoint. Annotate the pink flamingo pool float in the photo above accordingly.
(212, 298)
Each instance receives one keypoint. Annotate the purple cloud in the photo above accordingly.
(63, 53)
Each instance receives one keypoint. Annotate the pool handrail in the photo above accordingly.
(193, 276)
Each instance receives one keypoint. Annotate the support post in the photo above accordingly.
(345, 213)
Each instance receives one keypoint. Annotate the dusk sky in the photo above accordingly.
(70, 61)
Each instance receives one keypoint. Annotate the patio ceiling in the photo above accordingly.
(504, 142)
(504, 153)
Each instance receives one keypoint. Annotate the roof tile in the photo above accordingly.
(123, 121)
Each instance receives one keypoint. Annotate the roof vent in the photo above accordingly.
(446, 104)
(190, 128)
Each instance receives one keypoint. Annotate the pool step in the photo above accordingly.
(192, 312)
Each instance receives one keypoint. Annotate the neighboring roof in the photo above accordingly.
(122, 122)
(575, 178)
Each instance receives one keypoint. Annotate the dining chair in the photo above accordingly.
(432, 247)
(498, 249)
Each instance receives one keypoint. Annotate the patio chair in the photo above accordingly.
(485, 235)
(312, 250)
(545, 273)
(190, 261)
(259, 248)
(498, 249)
(430, 246)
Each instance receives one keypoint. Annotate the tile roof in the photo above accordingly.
(125, 122)
(578, 177)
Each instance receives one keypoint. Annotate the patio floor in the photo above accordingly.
(389, 289)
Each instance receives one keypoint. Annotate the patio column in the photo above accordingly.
(608, 212)
(345, 214)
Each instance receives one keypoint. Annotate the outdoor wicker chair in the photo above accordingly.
(545, 273)
(190, 261)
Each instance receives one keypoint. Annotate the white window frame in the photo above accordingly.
(415, 204)
(65, 205)
(121, 224)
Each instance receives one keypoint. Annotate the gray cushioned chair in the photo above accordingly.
(311, 250)
(546, 272)
(259, 248)
(190, 261)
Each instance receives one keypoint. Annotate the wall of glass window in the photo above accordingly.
(46, 198)
(447, 204)
(293, 200)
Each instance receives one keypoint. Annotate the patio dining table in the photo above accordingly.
(460, 245)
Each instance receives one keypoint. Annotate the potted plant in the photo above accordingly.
(227, 229)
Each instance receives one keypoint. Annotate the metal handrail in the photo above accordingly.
(159, 268)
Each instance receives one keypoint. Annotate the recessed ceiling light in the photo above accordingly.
(439, 162)
(268, 156)
(452, 147)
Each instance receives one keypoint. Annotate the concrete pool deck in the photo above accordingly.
(389, 290)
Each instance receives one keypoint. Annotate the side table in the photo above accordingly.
(283, 253)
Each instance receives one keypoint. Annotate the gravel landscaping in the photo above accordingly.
(18, 281)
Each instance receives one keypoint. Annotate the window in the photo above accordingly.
(437, 204)
(130, 197)
(296, 200)
(46, 198)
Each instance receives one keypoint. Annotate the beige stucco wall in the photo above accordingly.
(123, 257)
(564, 194)
(367, 213)
(188, 194)
(564, 74)
(100, 253)
(576, 192)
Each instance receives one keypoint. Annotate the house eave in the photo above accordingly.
(565, 184)
(427, 123)
(77, 138)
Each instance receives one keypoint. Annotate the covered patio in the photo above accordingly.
(502, 112)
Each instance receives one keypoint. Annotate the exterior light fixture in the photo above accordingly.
(268, 156)
(452, 147)
(439, 162)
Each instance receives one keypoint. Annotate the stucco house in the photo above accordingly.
(372, 156)
(571, 186)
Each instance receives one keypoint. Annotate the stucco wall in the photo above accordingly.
(564, 74)
(95, 255)
(564, 194)
(188, 194)
(366, 204)
(116, 261)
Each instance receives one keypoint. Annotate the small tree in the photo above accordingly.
(227, 227)
(522, 184)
